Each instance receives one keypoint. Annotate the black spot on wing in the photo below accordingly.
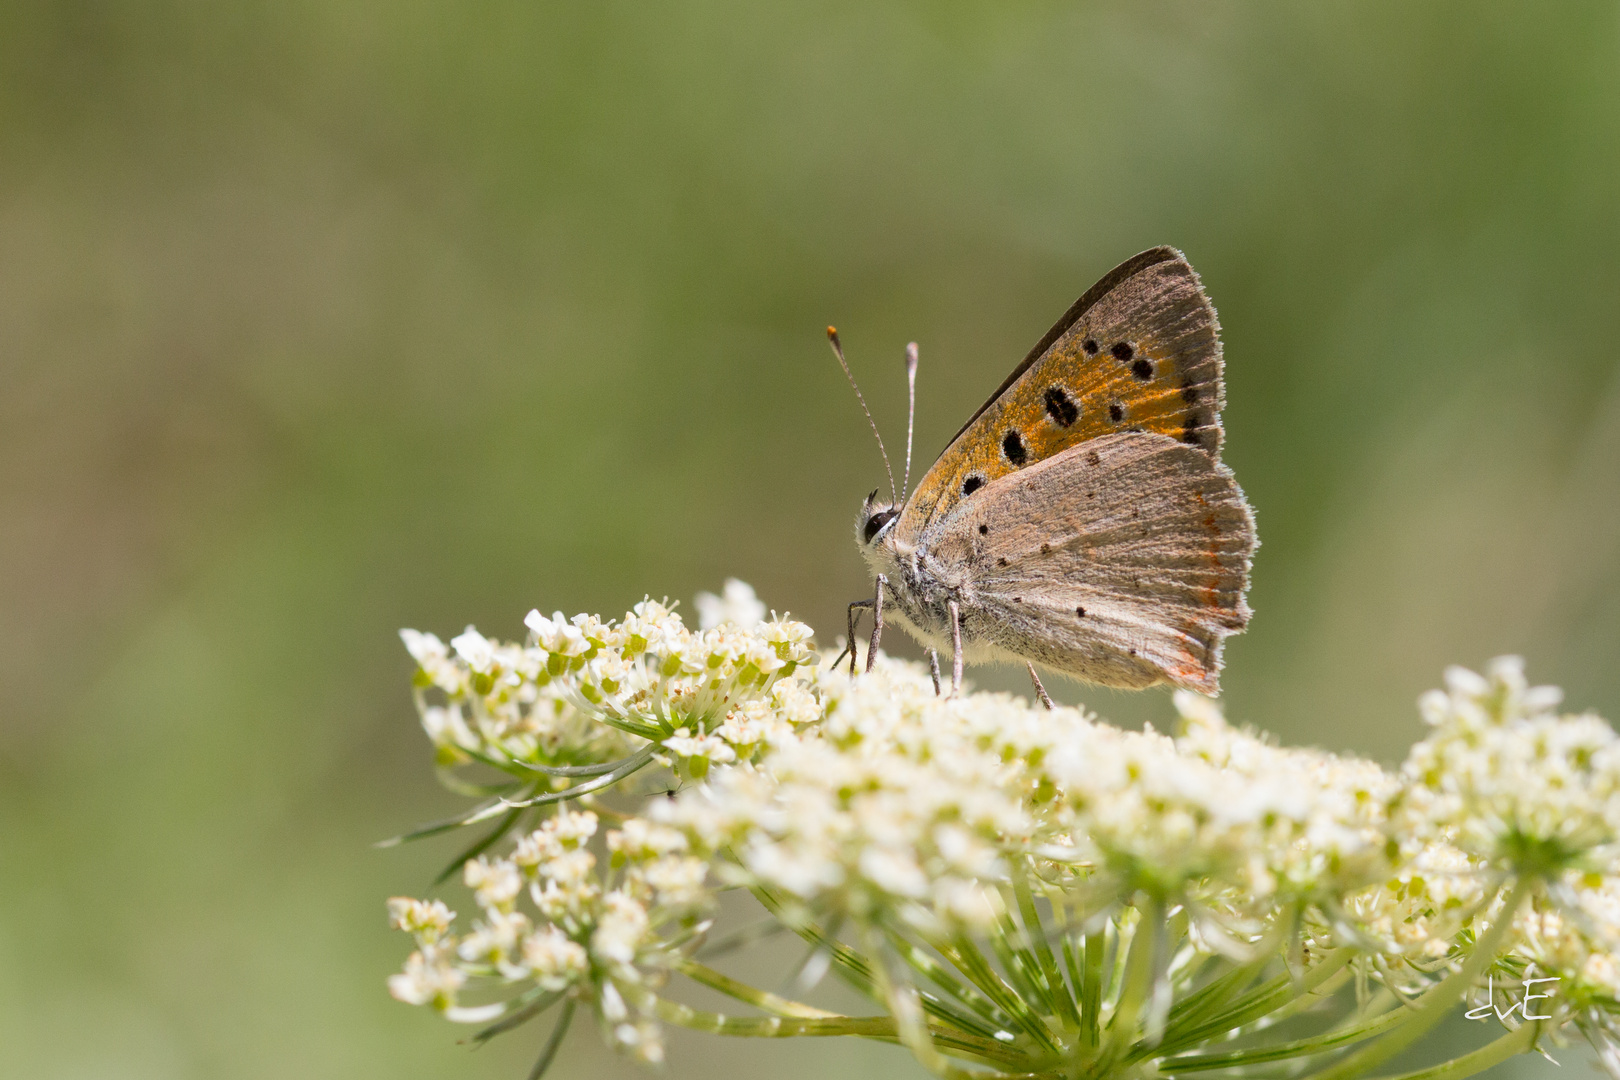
(1116, 412)
(972, 484)
(1090, 345)
(1142, 369)
(1080, 612)
(1189, 391)
(1012, 445)
(984, 530)
(1122, 351)
(1060, 407)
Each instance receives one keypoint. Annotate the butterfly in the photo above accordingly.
(1081, 520)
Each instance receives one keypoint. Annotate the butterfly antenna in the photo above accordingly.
(911, 408)
(838, 351)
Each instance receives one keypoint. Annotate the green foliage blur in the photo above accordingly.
(322, 319)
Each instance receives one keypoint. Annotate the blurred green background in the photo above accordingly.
(318, 319)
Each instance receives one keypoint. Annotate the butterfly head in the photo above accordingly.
(875, 519)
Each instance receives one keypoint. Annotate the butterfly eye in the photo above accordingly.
(876, 522)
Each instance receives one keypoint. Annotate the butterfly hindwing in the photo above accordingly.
(1123, 561)
(1140, 351)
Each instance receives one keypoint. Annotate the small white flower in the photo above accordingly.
(475, 649)
(433, 657)
(966, 902)
(639, 838)
(793, 868)
(709, 747)
(736, 604)
(555, 961)
(571, 827)
(621, 928)
(556, 635)
(497, 941)
(496, 884)
(642, 1039)
(570, 869)
(677, 882)
(894, 871)
(428, 920)
(430, 978)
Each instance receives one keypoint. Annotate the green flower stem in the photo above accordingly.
(911, 1024)
(1023, 970)
(1265, 999)
(1219, 991)
(1492, 1053)
(1058, 989)
(554, 1043)
(986, 1019)
(1434, 1004)
(1310, 998)
(1074, 969)
(1298, 1048)
(626, 767)
(1114, 986)
(1138, 965)
(850, 965)
(1091, 987)
(725, 984)
(522, 1010)
(568, 771)
(783, 1027)
(455, 865)
(434, 828)
(970, 962)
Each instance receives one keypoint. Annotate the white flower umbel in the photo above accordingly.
(1019, 892)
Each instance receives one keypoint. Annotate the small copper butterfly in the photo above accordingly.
(1081, 520)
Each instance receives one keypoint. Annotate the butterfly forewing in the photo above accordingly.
(1139, 352)
(1123, 561)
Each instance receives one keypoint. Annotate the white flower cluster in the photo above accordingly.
(1520, 788)
(1511, 778)
(580, 690)
(925, 822)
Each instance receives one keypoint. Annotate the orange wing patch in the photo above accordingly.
(1139, 352)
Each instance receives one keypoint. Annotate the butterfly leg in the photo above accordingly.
(933, 669)
(956, 649)
(1039, 689)
(854, 617)
(877, 622)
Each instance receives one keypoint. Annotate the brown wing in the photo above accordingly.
(1122, 562)
(1140, 351)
